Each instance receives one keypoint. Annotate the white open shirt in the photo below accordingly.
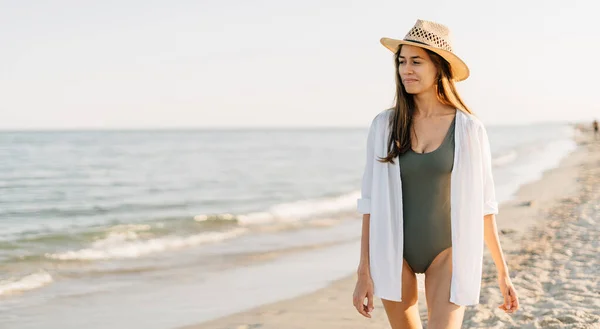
(472, 197)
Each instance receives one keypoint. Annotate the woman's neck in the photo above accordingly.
(427, 105)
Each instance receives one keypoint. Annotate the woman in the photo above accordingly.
(427, 196)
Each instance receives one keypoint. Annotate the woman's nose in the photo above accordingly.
(406, 69)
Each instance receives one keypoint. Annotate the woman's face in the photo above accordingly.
(417, 71)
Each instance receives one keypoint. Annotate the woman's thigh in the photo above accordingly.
(442, 314)
(405, 314)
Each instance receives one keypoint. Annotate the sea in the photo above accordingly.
(167, 228)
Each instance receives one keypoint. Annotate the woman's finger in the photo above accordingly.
(355, 302)
(363, 310)
(507, 298)
(366, 311)
(515, 299)
(359, 305)
(370, 306)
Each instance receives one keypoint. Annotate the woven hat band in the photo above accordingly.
(417, 34)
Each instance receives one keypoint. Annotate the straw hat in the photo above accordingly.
(435, 37)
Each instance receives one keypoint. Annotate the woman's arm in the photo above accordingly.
(363, 266)
(492, 241)
(364, 284)
(511, 300)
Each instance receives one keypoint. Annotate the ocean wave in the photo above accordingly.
(301, 210)
(216, 218)
(92, 210)
(120, 245)
(29, 282)
(74, 234)
(120, 233)
(288, 212)
(505, 158)
(130, 227)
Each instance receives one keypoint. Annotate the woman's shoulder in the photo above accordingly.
(470, 120)
(385, 114)
(382, 117)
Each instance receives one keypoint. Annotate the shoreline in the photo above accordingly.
(531, 207)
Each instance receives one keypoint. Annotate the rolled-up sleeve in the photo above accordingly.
(490, 205)
(364, 202)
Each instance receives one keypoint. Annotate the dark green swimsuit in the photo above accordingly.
(426, 202)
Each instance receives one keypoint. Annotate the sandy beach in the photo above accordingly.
(550, 237)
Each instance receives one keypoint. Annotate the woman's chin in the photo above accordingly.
(413, 90)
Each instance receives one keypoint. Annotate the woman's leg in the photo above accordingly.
(405, 314)
(442, 313)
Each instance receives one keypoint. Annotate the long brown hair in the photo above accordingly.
(401, 121)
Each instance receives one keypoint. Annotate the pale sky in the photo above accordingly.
(273, 63)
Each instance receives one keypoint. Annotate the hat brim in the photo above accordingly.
(460, 70)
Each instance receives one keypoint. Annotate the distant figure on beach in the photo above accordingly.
(427, 193)
(595, 124)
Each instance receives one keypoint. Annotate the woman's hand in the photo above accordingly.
(364, 288)
(511, 301)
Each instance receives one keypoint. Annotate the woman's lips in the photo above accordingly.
(410, 80)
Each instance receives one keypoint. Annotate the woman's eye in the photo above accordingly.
(417, 63)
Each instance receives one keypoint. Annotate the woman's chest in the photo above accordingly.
(428, 134)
